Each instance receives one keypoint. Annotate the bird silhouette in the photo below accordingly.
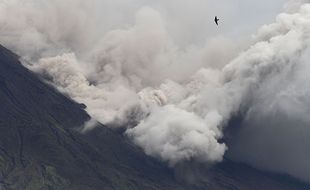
(216, 20)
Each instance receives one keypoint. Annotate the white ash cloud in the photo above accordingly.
(176, 135)
(136, 71)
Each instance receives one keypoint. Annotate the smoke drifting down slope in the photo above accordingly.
(174, 102)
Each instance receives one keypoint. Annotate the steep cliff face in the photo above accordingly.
(40, 147)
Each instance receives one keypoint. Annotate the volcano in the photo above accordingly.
(41, 147)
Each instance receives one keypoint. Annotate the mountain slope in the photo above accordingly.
(40, 148)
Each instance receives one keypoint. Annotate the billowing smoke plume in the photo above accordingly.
(135, 77)
(275, 133)
(174, 102)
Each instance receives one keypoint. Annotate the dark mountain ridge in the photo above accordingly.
(40, 148)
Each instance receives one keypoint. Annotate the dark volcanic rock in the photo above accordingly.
(40, 147)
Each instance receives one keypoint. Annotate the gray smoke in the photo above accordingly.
(174, 100)
(134, 78)
(275, 133)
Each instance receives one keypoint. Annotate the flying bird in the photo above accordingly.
(216, 20)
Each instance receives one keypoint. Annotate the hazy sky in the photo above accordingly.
(191, 21)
